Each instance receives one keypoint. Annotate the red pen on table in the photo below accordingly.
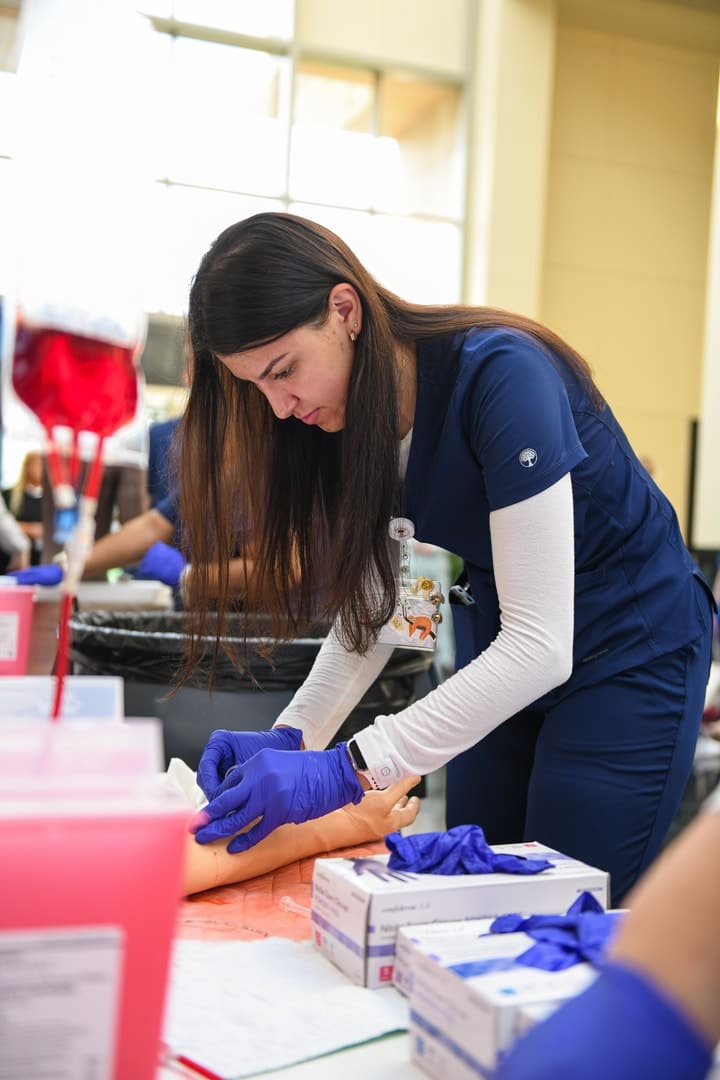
(188, 1066)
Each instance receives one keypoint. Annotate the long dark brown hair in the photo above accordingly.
(312, 507)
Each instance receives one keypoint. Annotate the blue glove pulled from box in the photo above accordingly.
(279, 788)
(581, 936)
(226, 750)
(462, 850)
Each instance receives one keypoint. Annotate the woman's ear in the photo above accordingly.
(345, 302)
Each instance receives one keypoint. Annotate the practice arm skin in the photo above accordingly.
(379, 813)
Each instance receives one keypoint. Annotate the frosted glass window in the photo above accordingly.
(256, 18)
(227, 117)
(419, 161)
(183, 224)
(8, 238)
(8, 113)
(352, 226)
(331, 150)
(420, 260)
(386, 142)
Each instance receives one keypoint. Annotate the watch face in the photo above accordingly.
(355, 753)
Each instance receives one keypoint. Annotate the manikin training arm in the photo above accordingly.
(379, 813)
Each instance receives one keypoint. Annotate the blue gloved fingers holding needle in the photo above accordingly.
(279, 788)
(225, 750)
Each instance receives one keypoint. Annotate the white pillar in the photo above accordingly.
(706, 500)
(514, 56)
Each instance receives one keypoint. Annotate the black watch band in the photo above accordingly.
(356, 756)
(359, 763)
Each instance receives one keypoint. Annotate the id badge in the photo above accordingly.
(416, 620)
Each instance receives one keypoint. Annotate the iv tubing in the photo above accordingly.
(78, 547)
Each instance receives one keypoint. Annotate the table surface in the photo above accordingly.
(255, 909)
(258, 909)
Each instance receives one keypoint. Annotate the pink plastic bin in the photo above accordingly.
(16, 611)
(91, 850)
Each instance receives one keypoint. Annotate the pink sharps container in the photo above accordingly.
(16, 612)
(91, 851)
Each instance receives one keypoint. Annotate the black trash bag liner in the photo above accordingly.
(147, 646)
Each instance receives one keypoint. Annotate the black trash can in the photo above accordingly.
(145, 649)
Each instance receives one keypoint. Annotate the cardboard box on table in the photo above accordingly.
(358, 905)
(467, 995)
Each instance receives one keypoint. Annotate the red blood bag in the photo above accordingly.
(75, 381)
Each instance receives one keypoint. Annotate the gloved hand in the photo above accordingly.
(44, 574)
(622, 1026)
(280, 788)
(225, 750)
(162, 563)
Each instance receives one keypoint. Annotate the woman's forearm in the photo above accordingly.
(670, 933)
(128, 544)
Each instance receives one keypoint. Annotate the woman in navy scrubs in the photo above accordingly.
(328, 406)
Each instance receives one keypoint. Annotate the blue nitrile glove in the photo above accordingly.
(44, 574)
(462, 850)
(162, 563)
(225, 750)
(622, 1027)
(280, 788)
(582, 935)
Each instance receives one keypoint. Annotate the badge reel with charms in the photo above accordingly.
(417, 616)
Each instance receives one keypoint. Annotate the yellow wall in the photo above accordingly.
(629, 190)
(416, 33)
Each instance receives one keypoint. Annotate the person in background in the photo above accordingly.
(325, 406)
(25, 502)
(654, 1009)
(160, 468)
(14, 544)
(149, 543)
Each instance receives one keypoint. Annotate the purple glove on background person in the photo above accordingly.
(162, 563)
(280, 788)
(225, 750)
(44, 574)
(622, 1027)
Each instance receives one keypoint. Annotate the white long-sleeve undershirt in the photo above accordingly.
(533, 560)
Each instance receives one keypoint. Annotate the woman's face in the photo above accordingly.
(304, 374)
(34, 469)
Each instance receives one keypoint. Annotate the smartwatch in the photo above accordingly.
(359, 763)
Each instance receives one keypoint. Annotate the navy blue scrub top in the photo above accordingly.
(500, 417)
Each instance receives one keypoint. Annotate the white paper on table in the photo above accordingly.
(244, 1007)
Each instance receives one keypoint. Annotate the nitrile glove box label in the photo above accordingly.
(446, 942)
(359, 904)
(465, 1009)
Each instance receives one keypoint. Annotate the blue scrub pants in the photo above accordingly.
(598, 776)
